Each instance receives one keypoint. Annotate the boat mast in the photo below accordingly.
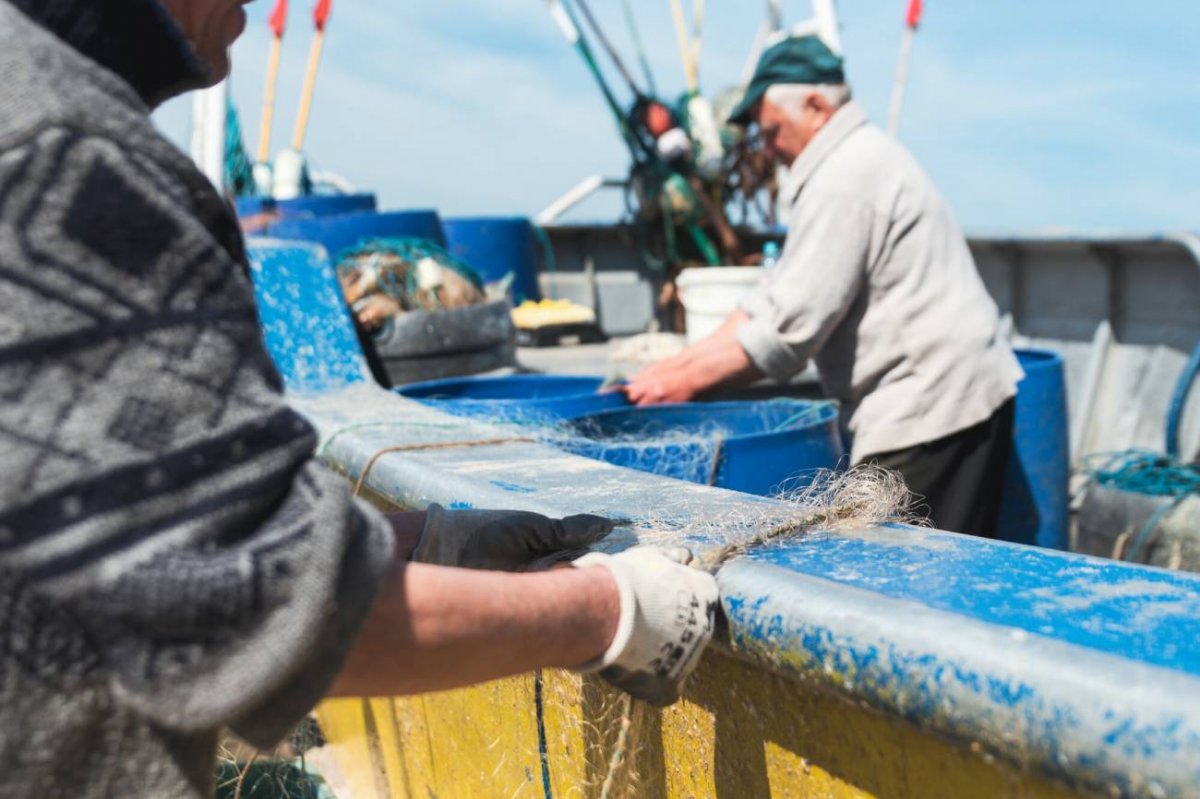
(210, 109)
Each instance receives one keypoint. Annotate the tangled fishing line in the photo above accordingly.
(861, 497)
(830, 500)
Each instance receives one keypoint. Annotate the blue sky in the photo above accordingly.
(1071, 114)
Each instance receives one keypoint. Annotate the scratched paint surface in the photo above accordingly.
(1146, 614)
(1058, 664)
(1095, 720)
(306, 324)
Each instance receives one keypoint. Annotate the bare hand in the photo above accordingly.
(663, 382)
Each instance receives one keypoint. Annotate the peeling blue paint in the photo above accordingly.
(1148, 614)
(1088, 717)
(1084, 669)
(306, 324)
(513, 487)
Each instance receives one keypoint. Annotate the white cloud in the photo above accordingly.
(1028, 115)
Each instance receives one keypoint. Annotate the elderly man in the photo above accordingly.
(876, 284)
(172, 560)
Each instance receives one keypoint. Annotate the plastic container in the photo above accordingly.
(495, 247)
(336, 233)
(315, 205)
(432, 345)
(517, 397)
(1036, 507)
(709, 294)
(754, 447)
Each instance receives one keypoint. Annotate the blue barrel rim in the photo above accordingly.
(337, 232)
(354, 216)
(826, 412)
(483, 220)
(1038, 359)
(768, 458)
(415, 390)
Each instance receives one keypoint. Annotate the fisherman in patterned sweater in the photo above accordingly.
(172, 559)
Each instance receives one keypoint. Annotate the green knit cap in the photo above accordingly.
(800, 60)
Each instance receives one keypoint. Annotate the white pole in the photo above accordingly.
(774, 15)
(823, 25)
(901, 81)
(825, 15)
(771, 26)
(209, 110)
(756, 51)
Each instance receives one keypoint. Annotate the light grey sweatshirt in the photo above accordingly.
(877, 285)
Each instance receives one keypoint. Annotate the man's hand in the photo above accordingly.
(503, 540)
(668, 611)
(663, 382)
(716, 361)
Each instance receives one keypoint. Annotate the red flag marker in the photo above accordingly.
(278, 19)
(914, 14)
(321, 13)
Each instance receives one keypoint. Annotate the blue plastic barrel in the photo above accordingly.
(754, 447)
(1036, 507)
(314, 205)
(495, 247)
(536, 398)
(336, 233)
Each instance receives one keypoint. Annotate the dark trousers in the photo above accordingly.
(959, 480)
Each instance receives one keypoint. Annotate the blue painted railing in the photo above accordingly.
(1081, 669)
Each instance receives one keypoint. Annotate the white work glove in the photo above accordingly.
(504, 540)
(668, 611)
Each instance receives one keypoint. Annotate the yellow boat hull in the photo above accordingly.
(741, 731)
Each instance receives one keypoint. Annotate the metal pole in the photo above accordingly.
(774, 15)
(685, 47)
(901, 81)
(613, 55)
(268, 114)
(697, 38)
(636, 35)
(209, 110)
(310, 85)
(825, 15)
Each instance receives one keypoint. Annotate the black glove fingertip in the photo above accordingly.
(587, 528)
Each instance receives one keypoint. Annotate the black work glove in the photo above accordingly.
(504, 540)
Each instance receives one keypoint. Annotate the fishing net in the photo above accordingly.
(383, 278)
(282, 773)
(693, 449)
(239, 173)
(1155, 496)
(1144, 472)
(591, 740)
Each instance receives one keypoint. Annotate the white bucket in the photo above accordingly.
(709, 294)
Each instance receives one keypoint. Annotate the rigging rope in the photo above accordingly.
(1150, 474)
(239, 172)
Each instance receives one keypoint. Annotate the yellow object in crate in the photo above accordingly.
(531, 315)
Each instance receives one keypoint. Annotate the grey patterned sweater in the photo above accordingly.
(172, 561)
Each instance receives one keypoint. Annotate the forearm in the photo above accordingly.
(719, 359)
(434, 628)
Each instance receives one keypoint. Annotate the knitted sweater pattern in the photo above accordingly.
(172, 560)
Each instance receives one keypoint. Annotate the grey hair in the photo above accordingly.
(790, 96)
